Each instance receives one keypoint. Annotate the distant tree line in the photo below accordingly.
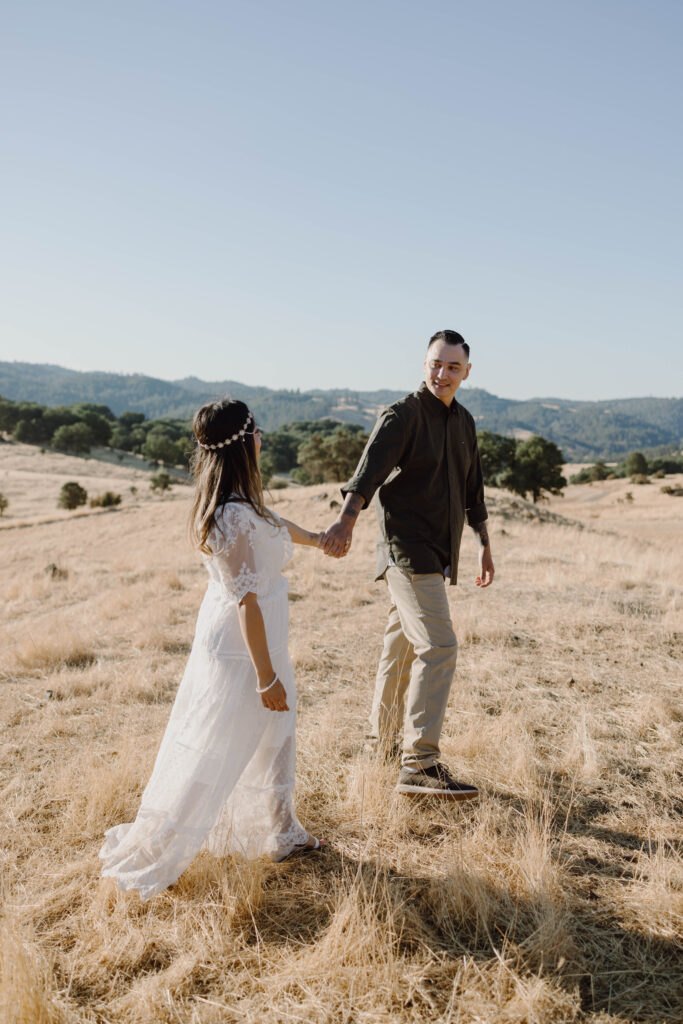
(585, 431)
(322, 450)
(308, 451)
(636, 466)
(78, 428)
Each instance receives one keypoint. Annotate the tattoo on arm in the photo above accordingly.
(353, 503)
(482, 533)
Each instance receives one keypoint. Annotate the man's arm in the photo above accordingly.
(337, 538)
(381, 454)
(486, 570)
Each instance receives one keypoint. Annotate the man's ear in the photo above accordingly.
(467, 371)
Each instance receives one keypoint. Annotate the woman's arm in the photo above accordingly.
(254, 632)
(301, 536)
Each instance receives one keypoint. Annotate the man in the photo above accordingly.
(422, 461)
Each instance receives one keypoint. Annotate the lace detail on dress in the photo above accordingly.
(289, 544)
(232, 520)
(245, 582)
(242, 556)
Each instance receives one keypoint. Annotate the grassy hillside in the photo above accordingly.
(584, 430)
(555, 898)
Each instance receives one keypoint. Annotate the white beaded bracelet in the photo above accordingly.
(258, 690)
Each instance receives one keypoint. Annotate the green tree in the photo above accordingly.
(72, 495)
(599, 471)
(636, 464)
(31, 428)
(58, 416)
(330, 458)
(497, 454)
(131, 419)
(312, 459)
(9, 415)
(536, 469)
(77, 438)
(160, 447)
(281, 446)
(266, 468)
(666, 464)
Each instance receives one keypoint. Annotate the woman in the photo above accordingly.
(223, 779)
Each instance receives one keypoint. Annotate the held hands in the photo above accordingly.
(336, 540)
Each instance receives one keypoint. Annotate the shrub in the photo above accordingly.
(675, 492)
(640, 478)
(72, 495)
(636, 464)
(161, 481)
(587, 475)
(4, 502)
(105, 500)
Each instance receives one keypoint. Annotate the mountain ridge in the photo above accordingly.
(583, 429)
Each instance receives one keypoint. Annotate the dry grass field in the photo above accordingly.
(557, 897)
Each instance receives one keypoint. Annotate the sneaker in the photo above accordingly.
(434, 781)
(387, 750)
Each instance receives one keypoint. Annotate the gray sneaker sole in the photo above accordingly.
(454, 794)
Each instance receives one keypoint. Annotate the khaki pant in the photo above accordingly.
(416, 668)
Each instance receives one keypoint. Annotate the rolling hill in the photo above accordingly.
(584, 430)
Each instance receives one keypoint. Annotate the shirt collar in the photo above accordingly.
(433, 404)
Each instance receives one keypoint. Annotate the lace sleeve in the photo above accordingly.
(234, 550)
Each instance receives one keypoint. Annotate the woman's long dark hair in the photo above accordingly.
(223, 474)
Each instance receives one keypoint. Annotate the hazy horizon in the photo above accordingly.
(360, 389)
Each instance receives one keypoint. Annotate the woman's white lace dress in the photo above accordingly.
(224, 775)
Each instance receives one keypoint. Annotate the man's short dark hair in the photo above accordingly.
(451, 338)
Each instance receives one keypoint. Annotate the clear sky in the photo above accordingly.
(298, 194)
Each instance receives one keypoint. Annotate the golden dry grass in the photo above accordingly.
(557, 897)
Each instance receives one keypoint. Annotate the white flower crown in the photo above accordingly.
(229, 440)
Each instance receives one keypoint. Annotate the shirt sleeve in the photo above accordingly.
(475, 509)
(234, 550)
(382, 453)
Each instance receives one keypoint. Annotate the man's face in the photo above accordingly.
(446, 367)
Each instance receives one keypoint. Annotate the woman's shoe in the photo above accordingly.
(303, 848)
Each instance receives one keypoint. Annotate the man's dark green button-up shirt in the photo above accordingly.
(422, 460)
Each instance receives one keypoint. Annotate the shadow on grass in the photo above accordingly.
(617, 970)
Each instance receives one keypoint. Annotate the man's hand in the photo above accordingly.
(486, 570)
(336, 540)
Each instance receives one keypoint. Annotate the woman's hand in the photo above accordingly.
(275, 697)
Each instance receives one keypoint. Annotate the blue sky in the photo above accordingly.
(298, 194)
